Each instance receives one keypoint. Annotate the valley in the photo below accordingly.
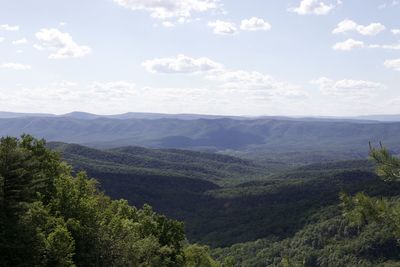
(252, 190)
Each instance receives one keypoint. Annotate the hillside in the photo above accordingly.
(50, 217)
(274, 141)
(229, 205)
(241, 210)
(139, 161)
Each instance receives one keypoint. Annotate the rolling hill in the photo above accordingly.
(223, 200)
(249, 138)
(139, 161)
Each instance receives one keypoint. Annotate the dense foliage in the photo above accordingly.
(364, 232)
(50, 218)
(182, 185)
(139, 161)
(54, 215)
(331, 241)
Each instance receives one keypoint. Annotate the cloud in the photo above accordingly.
(395, 31)
(66, 93)
(168, 24)
(223, 27)
(348, 45)
(163, 9)
(10, 28)
(180, 64)
(20, 41)
(60, 44)
(64, 84)
(231, 80)
(256, 82)
(351, 44)
(115, 90)
(347, 88)
(255, 24)
(122, 96)
(391, 3)
(348, 25)
(314, 7)
(15, 66)
(393, 64)
(1, 39)
(390, 47)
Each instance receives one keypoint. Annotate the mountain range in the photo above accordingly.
(257, 190)
(223, 200)
(147, 115)
(271, 140)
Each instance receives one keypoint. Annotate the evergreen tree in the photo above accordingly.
(50, 218)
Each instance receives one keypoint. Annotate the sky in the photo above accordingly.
(227, 57)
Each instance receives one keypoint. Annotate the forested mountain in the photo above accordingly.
(275, 141)
(248, 214)
(50, 218)
(362, 231)
(218, 197)
(140, 161)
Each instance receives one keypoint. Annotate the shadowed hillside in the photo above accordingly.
(218, 197)
(300, 141)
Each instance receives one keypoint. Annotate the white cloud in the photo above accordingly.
(60, 44)
(64, 84)
(168, 24)
(223, 27)
(349, 25)
(122, 96)
(395, 31)
(390, 47)
(20, 41)
(1, 39)
(347, 88)
(232, 80)
(389, 4)
(254, 81)
(393, 64)
(112, 90)
(348, 45)
(15, 66)
(255, 24)
(315, 7)
(181, 64)
(163, 9)
(10, 28)
(351, 44)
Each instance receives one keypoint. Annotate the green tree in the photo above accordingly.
(362, 209)
(198, 256)
(60, 247)
(50, 218)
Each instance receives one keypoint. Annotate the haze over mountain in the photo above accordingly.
(149, 115)
(327, 139)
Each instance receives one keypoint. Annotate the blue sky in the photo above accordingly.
(253, 57)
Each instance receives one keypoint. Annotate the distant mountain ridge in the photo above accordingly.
(128, 115)
(188, 116)
(272, 142)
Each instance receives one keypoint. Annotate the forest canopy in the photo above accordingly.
(48, 217)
